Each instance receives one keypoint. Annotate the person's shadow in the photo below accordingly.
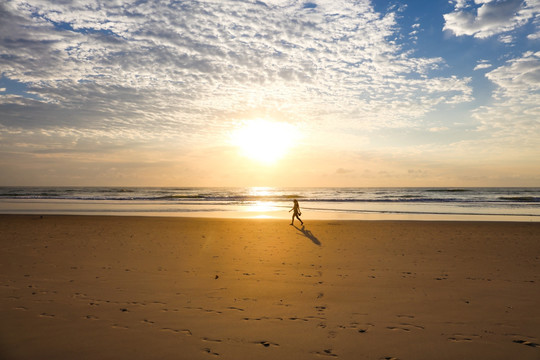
(308, 234)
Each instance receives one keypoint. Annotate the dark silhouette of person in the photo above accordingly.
(296, 212)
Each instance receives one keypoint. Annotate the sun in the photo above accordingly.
(265, 141)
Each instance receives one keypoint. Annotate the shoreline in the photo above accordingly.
(230, 215)
(261, 211)
(202, 288)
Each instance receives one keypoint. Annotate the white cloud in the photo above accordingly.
(491, 17)
(534, 36)
(521, 76)
(438, 129)
(515, 113)
(507, 39)
(460, 4)
(482, 66)
(191, 65)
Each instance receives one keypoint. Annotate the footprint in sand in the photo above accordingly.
(214, 311)
(527, 343)
(326, 352)
(462, 338)
(209, 351)
(408, 274)
(266, 343)
(413, 325)
(405, 327)
(397, 328)
(183, 331)
(235, 308)
(210, 340)
(45, 315)
(405, 316)
(295, 318)
(261, 318)
(117, 326)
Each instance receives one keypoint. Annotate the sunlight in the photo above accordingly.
(263, 210)
(261, 206)
(263, 140)
(260, 191)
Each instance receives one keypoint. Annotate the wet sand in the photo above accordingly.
(104, 287)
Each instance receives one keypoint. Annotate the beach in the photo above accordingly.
(126, 287)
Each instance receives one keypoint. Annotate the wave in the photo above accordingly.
(465, 196)
(500, 201)
(531, 199)
(449, 190)
(278, 199)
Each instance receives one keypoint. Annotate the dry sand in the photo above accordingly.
(89, 287)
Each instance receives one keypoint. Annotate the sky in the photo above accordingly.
(270, 93)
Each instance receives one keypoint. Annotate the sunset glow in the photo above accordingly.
(338, 93)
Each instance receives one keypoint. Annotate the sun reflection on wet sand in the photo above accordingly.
(262, 207)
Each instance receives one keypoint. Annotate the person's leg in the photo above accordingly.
(292, 220)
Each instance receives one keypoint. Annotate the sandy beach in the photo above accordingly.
(105, 287)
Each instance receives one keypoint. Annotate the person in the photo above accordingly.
(296, 212)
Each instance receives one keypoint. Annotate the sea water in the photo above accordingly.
(498, 204)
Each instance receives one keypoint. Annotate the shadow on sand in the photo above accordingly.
(308, 234)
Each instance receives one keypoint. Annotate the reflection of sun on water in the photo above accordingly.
(263, 140)
(260, 206)
(265, 208)
(260, 191)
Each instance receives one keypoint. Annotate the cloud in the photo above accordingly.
(109, 82)
(342, 171)
(490, 17)
(196, 64)
(519, 77)
(507, 39)
(515, 113)
(482, 65)
(438, 129)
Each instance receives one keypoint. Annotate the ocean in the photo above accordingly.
(497, 204)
